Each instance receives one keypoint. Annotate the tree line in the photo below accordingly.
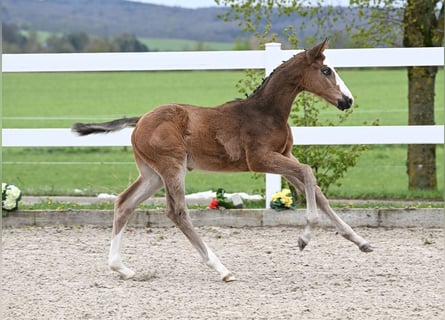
(18, 41)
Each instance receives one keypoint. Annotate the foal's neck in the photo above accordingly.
(277, 93)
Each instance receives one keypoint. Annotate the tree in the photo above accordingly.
(256, 17)
(68, 43)
(420, 23)
(129, 43)
(14, 41)
(422, 28)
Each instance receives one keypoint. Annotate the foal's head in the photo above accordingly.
(321, 79)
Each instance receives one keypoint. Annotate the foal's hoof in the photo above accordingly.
(229, 278)
(124, 272)
(127, 276)
(301, 244)
(366, 248)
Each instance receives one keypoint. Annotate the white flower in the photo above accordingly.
(10, 196)
(9, 204)
(12, 192)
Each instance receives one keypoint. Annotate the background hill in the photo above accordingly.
(113, 17)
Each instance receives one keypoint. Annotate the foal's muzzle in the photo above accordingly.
(344, 103)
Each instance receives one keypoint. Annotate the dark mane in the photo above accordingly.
(261, 84)
(269, 76)
(255, 90)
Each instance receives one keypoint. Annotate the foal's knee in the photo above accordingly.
(178, 216)
(313, 218)
(309, 177)
(322, 201)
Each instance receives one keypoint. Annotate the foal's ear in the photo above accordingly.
(316, 52)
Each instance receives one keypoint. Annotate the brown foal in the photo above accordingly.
(242, 135)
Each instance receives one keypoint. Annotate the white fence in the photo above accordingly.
(266, 59)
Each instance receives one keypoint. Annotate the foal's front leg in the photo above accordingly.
(343, 228)
(312, 216)
(289, 166)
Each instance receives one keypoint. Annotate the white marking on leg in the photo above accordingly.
(114, 257)
(213, 262)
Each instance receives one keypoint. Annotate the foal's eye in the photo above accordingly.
(326, 70)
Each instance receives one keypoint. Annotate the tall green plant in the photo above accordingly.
(328, 162)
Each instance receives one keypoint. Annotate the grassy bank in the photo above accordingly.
(379, 173)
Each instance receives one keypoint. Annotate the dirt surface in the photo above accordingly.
(61, 273)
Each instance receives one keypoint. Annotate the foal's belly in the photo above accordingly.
(216, 163)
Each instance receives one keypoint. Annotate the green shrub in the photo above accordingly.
(328, 162)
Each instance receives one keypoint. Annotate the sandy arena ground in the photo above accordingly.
(61, 273)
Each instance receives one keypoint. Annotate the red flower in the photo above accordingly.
(213, 204)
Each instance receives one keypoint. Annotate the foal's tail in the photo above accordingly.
(83, 129)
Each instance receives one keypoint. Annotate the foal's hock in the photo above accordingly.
(250, 135)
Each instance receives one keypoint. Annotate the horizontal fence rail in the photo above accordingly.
(302, 136)
(266, 59)
(215, 60)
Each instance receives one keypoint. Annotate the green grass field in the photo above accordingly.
(155, 44)
(59, 99)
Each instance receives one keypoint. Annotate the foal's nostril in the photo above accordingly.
(349, 100)
(343, 104)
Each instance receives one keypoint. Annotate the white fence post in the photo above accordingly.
(273, 181)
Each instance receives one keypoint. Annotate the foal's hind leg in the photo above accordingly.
(343, 228)
(147, 184)
(178, 213)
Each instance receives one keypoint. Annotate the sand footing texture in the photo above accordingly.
(60, 272)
